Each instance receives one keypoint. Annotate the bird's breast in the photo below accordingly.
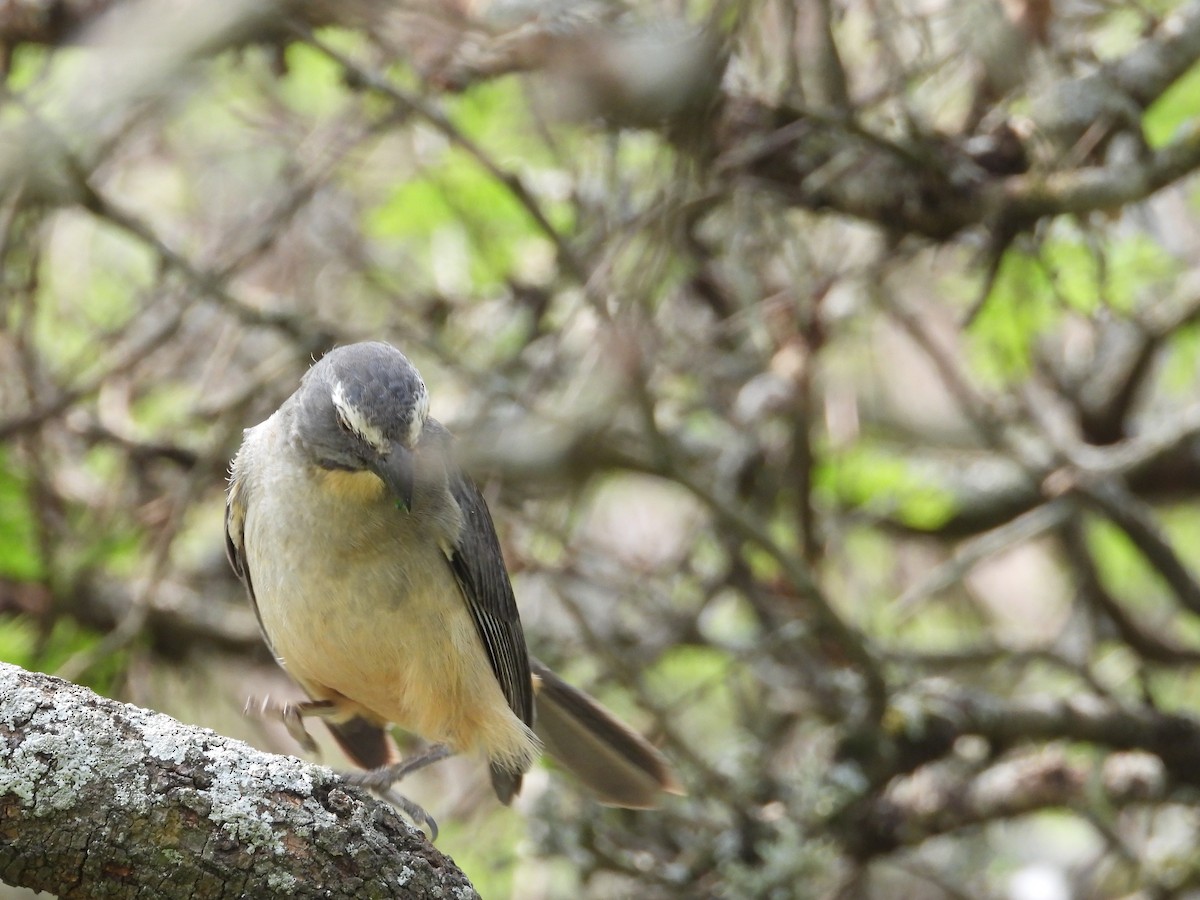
(356, 598)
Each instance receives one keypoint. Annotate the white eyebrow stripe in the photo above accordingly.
(357, 422)
(420, 414)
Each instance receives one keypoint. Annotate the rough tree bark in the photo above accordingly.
(104, 799)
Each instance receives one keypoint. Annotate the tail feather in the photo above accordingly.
(367, 743)
(506, 782)
(620, 766)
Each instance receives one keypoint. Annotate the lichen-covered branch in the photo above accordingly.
(99, 798)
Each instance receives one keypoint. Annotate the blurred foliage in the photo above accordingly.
(876, 481)
(1174, 111)
(23, 645)
(19, 558)
(773, 472)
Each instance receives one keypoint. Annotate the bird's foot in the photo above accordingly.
(384, 777)
(292, 715)
(413, 811)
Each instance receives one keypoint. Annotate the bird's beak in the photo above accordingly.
(395, 469)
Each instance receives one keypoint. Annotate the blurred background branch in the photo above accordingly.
(830, 369)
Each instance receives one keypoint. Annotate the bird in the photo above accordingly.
(374, 568)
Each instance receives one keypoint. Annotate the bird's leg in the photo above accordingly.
(292, 715)
(381, 781)
(384, 777)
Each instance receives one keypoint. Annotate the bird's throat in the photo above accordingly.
(357, 487)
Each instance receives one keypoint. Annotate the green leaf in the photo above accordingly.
(19, 556)
(1178, 368)
(496, 114)
(463, 201)
(703, 675)
(1138, 265)
(28, 61)
(1123, 569)
(1175, 110)
(870, 478)
(315, 84)
(1019, 308)
(1072, 277)
(414, 209)
(22, 645)
(1122, 29)
(1034, 291)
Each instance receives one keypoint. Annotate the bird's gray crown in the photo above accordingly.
(359, 401)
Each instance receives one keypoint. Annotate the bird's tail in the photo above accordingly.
(621, 767)
(368, 744)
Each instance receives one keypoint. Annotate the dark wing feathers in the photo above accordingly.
(235, 549)
(478, 564)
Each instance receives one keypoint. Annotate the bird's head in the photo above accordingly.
(362, 408)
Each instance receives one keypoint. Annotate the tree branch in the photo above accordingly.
(935, 715)
(926, 184)
(99, 798)
(938, 800)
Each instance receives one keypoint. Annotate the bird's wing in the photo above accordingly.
(235, 544)
(365, 742)
(478, 564)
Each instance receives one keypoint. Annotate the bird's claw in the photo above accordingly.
(290, 714)
(413, 811)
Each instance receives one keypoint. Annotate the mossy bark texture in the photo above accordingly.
(102, 799)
